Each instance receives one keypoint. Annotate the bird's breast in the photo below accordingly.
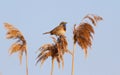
(61, 32)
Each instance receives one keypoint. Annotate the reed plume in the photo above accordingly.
(83, 34)
(55, 50)
(19, 45)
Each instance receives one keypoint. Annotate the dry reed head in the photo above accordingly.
(93, 18)
(62, 44)
(12, 32)
(83, 33)
(20, 45)
(55, 50)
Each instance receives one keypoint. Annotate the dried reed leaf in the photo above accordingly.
(20, 56)
(58, 60)
(54, 39)
(43, 57)
(93, 18)
(9, 27)
(61, 58)
(63, 42)
(45, 47)
(46, 51)
(97, 18)
(12, 32)
(68, 51)
(24, 48)
(15, 48)
(62, 45)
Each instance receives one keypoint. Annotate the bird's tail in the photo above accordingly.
(46, 33)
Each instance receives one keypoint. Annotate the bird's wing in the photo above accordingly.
(56, 29)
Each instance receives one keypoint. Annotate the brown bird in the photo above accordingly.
(59, 30)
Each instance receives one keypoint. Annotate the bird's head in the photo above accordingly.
(63, 23)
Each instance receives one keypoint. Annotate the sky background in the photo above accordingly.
(33, 17)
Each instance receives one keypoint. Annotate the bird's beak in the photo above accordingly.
(65, 22)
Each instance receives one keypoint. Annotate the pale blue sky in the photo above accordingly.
(33, 17)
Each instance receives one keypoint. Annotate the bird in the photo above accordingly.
(59, 30)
